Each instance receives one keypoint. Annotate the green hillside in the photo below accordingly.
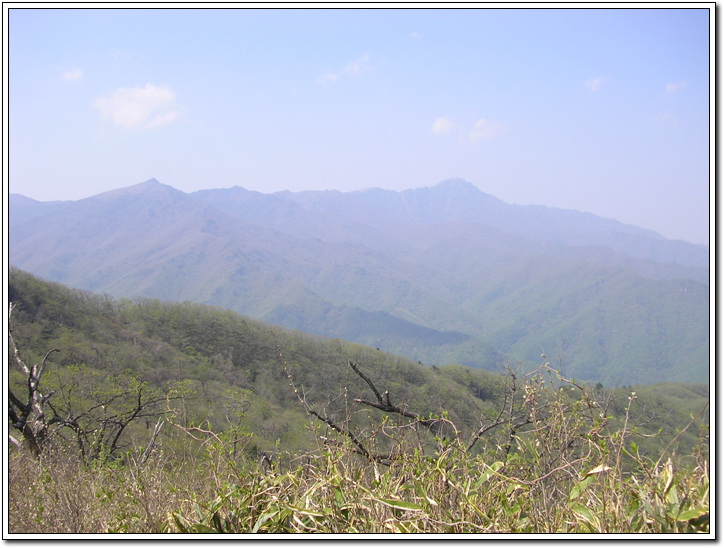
(328, 437)
(213, 350)
(440, 275)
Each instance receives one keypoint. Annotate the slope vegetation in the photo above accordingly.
(228, 364)
(441, 275)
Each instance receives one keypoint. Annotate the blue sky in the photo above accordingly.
(600, 110)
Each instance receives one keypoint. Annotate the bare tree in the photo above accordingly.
(537, 404)
(29, 414)
(96, 417)
(384, 403)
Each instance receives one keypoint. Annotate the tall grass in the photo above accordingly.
(561, 475)
(556, 464)
(60, 493)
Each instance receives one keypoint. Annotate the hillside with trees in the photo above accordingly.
(182, 417)
(441, 275)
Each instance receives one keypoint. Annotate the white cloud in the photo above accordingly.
(415, 34)
(442, 125)
(145, 107)
(72, 75)
(353, 68)
(673, 87)
(594, 84)
(485, 130)
(162, 119)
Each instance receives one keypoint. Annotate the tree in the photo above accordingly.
(560, 413)
(93, 407)
(29, 416)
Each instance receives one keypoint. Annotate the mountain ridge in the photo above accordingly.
(308, 260)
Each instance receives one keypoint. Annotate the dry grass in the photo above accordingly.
(58, 493)
(554, 467)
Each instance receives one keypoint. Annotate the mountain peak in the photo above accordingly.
(150, 187)
(455, 182)
(153, 185)
(464, 190)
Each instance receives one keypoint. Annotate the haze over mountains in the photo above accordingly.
(442, 274)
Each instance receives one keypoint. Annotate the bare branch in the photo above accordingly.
(152, 443)
(483, 430)
(386, 405)
(40, 370)
(347, 433)
(16, 352)
(369, 382)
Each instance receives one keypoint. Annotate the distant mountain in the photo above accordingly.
(441, 274)
(458, 201)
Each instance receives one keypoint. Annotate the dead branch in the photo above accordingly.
(359, 446)
(386, 405)
(29, 416)
(152, 443)
(98, 427)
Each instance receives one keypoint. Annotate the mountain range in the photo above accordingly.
(445, 274)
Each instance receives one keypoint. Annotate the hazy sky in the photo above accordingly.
(600, 110)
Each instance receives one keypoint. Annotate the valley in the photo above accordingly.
(441, 275)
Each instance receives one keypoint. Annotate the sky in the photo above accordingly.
(600, 110)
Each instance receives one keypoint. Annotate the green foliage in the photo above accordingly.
(152, 341)
(521, 453)
(431, 280)
(566, 474)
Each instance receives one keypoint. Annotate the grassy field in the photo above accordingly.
(551, 465)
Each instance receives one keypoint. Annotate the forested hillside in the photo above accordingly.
(216, 352)
(351, 439)
(440, 275)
